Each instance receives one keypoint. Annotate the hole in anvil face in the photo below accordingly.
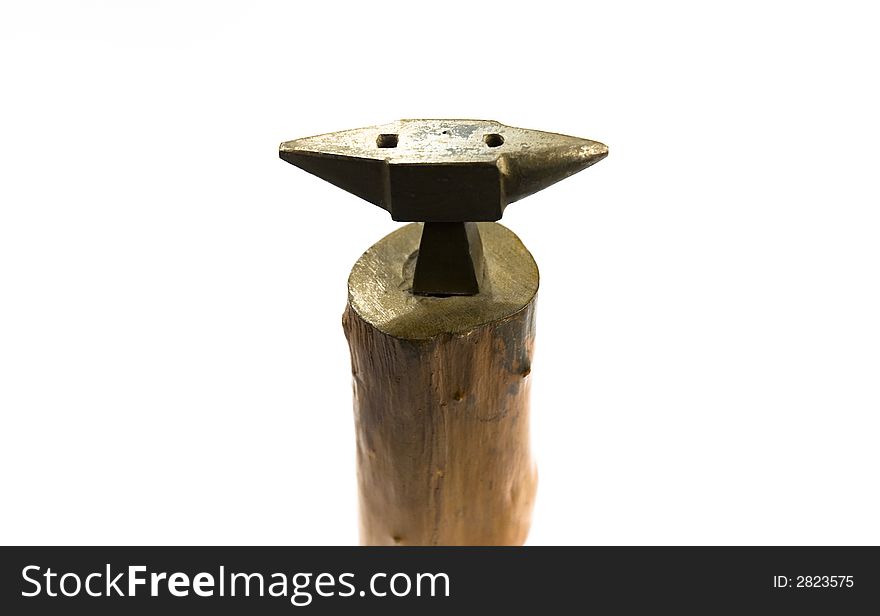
(388, 140)
(493, 140)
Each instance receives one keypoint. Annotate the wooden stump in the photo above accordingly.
(441, 397)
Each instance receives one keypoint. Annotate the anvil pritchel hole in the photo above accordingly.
(388, 140)
(493, 140)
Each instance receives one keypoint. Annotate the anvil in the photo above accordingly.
(447, 174)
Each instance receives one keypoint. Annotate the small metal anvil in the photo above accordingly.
(448, 174)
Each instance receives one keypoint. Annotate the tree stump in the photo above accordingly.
(441, 397)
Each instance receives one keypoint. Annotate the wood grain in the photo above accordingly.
(441, 398)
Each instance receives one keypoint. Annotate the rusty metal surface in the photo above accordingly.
(443, 171)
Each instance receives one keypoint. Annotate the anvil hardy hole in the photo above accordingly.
(388, 140)
(493, 140)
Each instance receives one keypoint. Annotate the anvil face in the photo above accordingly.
(442, 170)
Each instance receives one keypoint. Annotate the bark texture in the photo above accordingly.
(442, 411)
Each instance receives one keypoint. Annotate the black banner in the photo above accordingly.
(334, 580)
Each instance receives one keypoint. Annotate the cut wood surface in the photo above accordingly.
(441, 397)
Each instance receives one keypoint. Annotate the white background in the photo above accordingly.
(172, 366)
